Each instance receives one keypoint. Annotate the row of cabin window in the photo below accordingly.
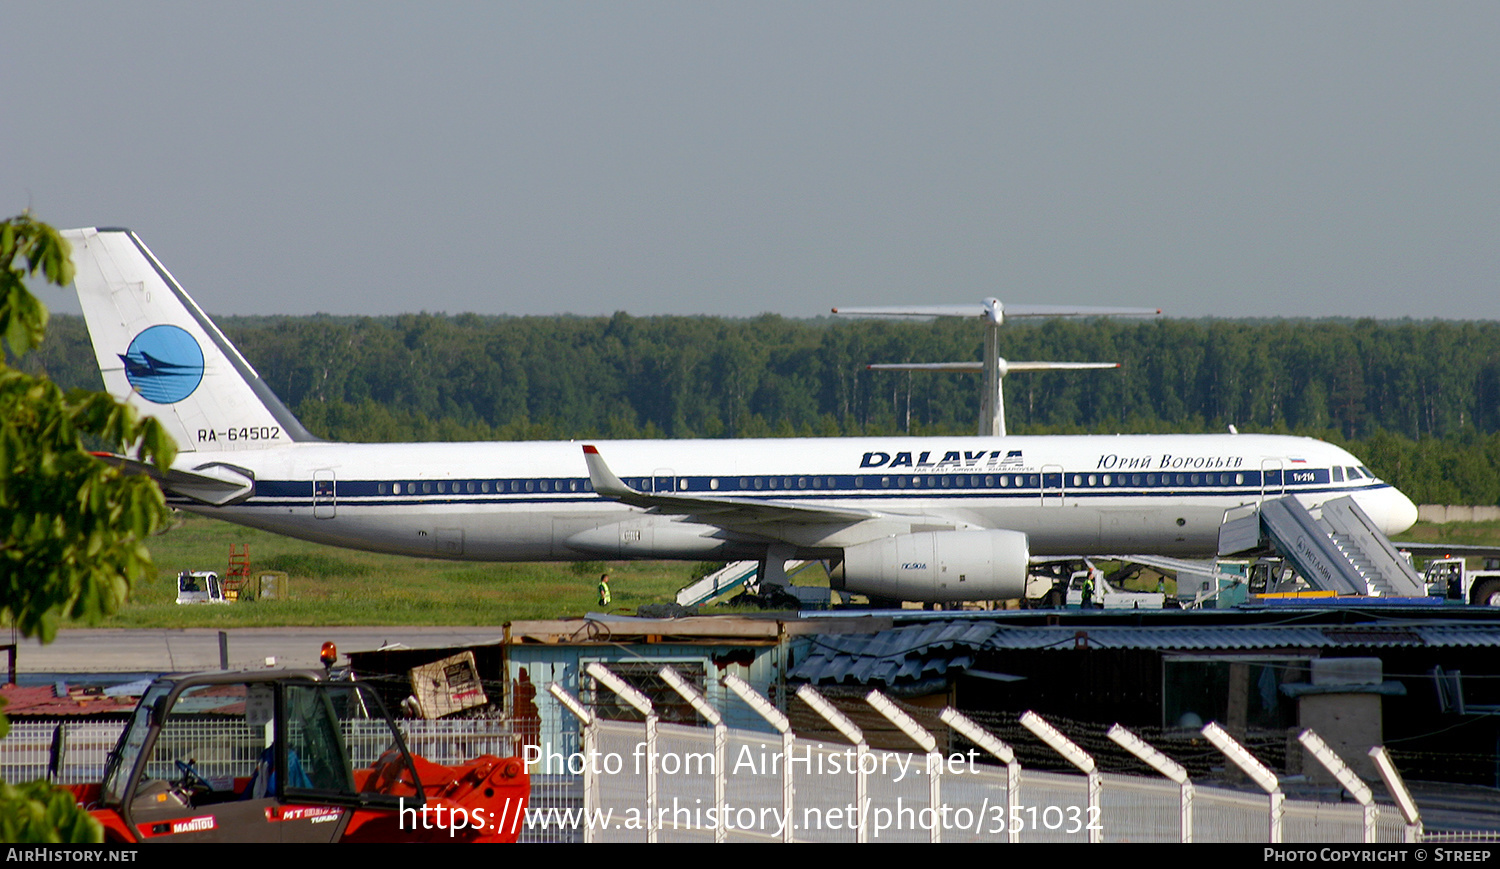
(1003, 481)
(1083, 481)
(484, 487)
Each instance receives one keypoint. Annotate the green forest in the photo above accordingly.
(1418, 401)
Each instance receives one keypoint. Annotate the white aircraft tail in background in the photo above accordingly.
(158, 351)
(994, 368)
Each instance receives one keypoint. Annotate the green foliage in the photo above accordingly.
(73, 525)
(38, 247)
(37, 813)
(419, 376)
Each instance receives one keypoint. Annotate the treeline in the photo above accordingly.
(1419, 401)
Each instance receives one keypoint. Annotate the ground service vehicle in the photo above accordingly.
(290, 756)
(199, 586)
(1059, 582)
(1452, 579)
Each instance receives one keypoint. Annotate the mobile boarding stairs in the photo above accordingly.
(1340, 550)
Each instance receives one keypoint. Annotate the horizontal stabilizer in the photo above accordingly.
(1058, 366)
(975, 311)
(1078, 311)
(978, 311)
(993, 311)
(925, 366)
(217, 483)
(1005, 364)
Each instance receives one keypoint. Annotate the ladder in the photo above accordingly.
(237, 577)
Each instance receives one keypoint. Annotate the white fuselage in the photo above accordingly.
(910, 513)
(532, 501)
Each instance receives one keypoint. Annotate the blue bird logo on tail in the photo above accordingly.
(164, 364)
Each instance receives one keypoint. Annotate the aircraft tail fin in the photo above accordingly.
(160, 353)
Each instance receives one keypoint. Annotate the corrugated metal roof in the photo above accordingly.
(1460, 634)
(1234, 637)
(42, 701)
(921, 651)
(904, 654)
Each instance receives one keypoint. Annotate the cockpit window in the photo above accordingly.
(1338, 475)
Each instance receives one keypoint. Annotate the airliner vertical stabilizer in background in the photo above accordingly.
(927, 519)
(993, 314)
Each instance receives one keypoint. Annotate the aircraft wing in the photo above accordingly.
(718, 510)
(1439, 550)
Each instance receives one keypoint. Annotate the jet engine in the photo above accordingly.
(937, 566)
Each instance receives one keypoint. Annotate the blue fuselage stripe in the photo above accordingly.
(829, 488)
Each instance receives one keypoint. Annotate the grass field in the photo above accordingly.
(330, 586)
(1473, 533)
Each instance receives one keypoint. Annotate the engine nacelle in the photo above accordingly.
(937, 566)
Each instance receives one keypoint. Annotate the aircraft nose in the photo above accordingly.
(1397, 512)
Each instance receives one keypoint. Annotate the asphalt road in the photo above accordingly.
(150, 650)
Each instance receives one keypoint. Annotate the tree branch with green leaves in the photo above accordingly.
(72, 528)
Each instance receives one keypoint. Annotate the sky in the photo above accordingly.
(1266, 159)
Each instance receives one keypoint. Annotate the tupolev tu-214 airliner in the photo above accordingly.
(925, 519)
